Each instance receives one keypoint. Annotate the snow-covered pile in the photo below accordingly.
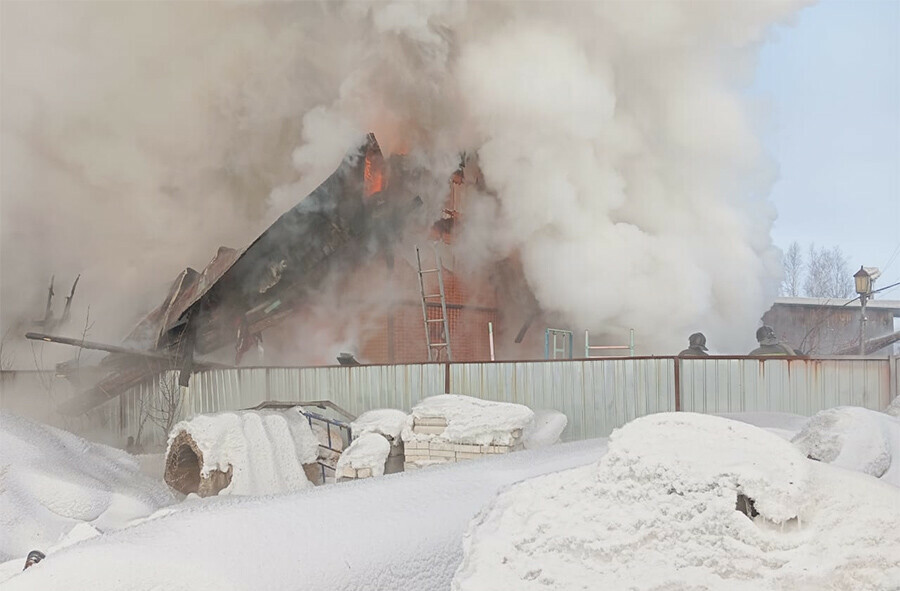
(470, 420)
(547, 428)
(51, 481)
(367, 453)
(855, 438)
(264, 451)
(659, 512)
(388, 422)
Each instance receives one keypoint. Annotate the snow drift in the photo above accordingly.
(659, 511)
(241, 453)
(52, 481)
(547, 428)
(470, 420)
(855, 438)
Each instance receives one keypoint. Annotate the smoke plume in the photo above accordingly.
(614, 138)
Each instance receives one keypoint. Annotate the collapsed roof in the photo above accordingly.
(349, 218)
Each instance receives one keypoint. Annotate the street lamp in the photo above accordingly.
(865, 279)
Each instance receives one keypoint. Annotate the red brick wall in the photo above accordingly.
(399, 336)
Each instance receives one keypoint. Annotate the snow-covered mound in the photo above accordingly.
(659, 512)
(255, 452)
(402, 533)
(785, 425)
(470, 420)
(369, 451)
(893, 408)
(384, 421)
(547, 428)
(855, 438)
(51, 481)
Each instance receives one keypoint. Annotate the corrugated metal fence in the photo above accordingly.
(596, 395)
(800, 386)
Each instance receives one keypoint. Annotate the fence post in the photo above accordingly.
(447, 378)
(894, 376)
(677, 384)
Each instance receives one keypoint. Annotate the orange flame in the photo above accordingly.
(374, 173)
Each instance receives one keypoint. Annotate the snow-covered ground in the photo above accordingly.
(405, 531)
(659, 512)
(401, 531)
(52, 481)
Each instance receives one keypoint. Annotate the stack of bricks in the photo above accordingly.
(433, 449)
(350, 473)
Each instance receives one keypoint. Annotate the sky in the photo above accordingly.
(831, 87)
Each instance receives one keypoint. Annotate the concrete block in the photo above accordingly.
(348, 472)
(467, 448)
(441, 453)
(364, 473)
(441, 446)
(430, 422)
(462, 455)
(428, 429)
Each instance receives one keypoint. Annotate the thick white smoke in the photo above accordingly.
(138, 137)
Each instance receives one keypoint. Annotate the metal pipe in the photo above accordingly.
(491, 338)
(862, 325)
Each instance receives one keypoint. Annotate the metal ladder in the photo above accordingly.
(434, 348)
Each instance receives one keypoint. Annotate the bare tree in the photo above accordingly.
(792, 261)
(88, 325)
(827, 275)
(162, 407)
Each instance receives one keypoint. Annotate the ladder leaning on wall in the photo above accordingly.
(443, 343)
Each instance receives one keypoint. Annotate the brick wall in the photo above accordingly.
(395, 333)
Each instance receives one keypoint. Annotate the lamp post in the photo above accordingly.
(864, 278)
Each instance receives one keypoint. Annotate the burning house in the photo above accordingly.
(360, 249)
